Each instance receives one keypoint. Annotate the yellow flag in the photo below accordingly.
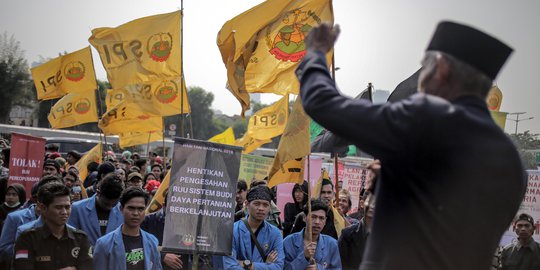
(316, 192)
(292, 171)
(74, 109)
(140, 50)
(499, 118)
(339, 221)
(250, 144)
(270, 121)
(226, 137)
(262, 47)
(137, 138)
(70, 73)
(159, 198)
(294, 145)
(122, 119)
(158, 97)
(93, 155)
(494, 98)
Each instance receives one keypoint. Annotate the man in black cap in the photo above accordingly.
(523, 254)
(51, 167)
(263, 250)
(448, 171)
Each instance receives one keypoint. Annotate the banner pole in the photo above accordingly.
(308, 218)
(195, 263)
(163, 140)
(336, 172)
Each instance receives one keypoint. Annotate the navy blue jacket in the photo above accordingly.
(326, 253)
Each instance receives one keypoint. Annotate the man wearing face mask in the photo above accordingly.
(99, 214)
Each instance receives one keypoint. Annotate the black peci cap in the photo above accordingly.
(476, 48)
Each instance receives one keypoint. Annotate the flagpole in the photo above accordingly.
(163, 140)
(100, 109)
(182, 68)
(148, 145)
(308, 218)
(335, 154)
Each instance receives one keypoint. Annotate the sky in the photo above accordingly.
(382, 41)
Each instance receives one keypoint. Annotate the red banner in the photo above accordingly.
(26, 160)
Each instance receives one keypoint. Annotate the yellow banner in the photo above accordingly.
(70, 73)
(122, 119)
(262, 47)
(270, 121)
(141, 50)
(93, 155)
(159, 198)
(137, 138)
(294, 143)
(74, 109)
(226, 137)
(494, 99)
(250, 144)
(158, 97)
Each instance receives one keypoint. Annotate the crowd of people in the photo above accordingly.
(425, 212)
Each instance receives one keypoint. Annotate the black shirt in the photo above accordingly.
(352, 243)
(521, 257)
(103, 218)
(39, 249)
(134, 252)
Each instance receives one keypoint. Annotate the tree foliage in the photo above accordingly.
(525, 142)
(15, 84)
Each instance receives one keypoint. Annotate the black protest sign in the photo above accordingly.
(201, 200)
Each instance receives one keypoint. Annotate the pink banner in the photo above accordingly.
(354, 179)
(284, 191)
(26, 160)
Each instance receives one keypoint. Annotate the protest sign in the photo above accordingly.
(354, 178)
(201, 200)
(254, 168)
(530, 205)
(26, 160)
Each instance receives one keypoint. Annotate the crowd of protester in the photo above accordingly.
(58, 228)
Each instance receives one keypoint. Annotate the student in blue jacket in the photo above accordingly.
(245, 254)
(128, 247)
(321, 252)
(99, 214)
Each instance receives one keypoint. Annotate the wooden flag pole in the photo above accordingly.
(335, 154)
(182, 68)
(147, 147)
(100, 112)
(308, 218)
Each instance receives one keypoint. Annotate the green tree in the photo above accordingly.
(15, 84)
(201, 118)
(525, 142)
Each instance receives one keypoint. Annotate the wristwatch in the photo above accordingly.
(247, 265)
